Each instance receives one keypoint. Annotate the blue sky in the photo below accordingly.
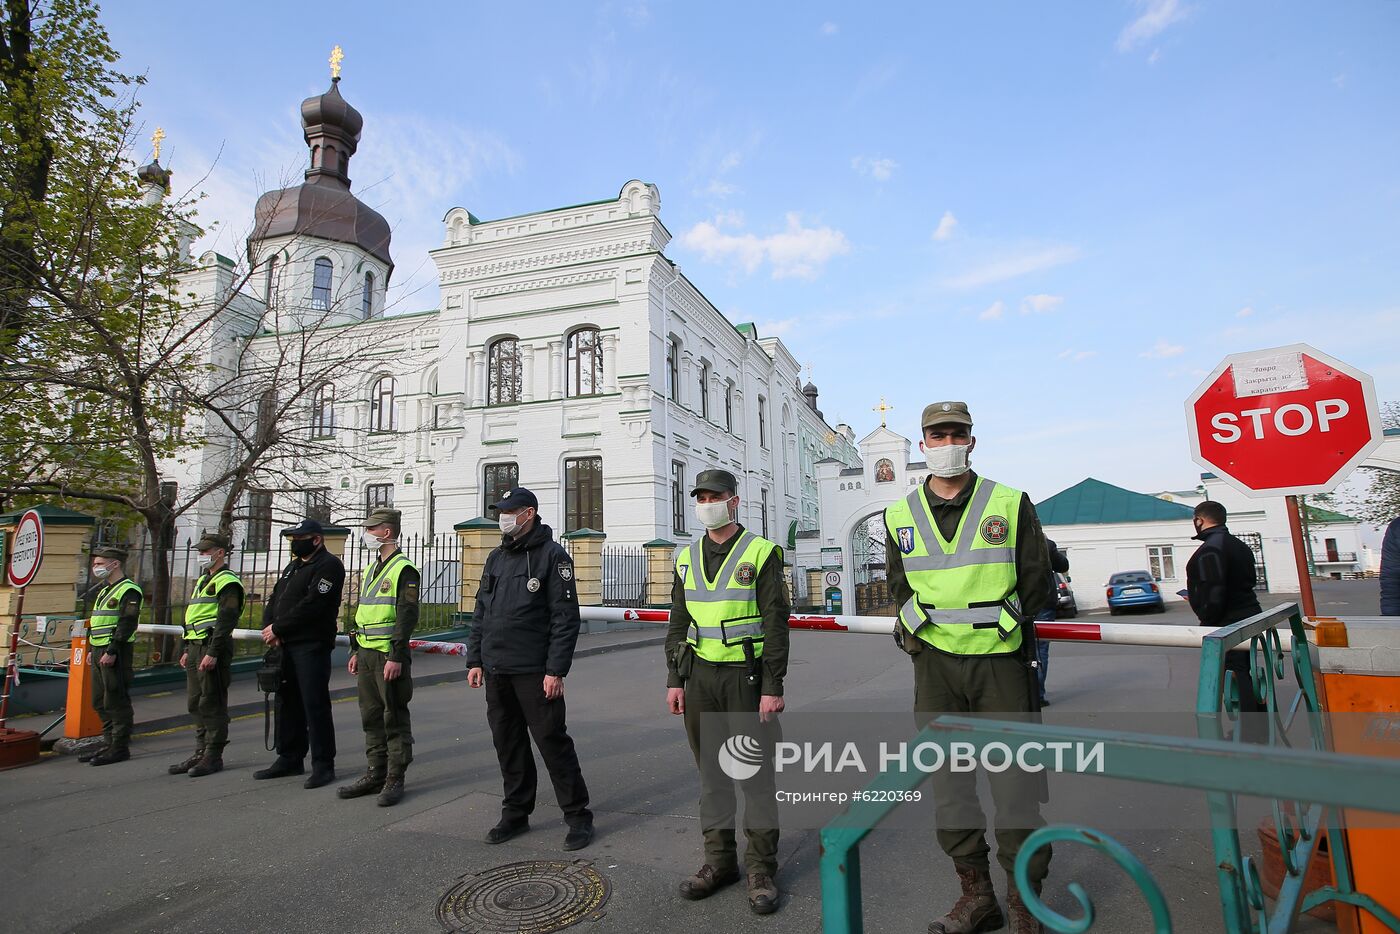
(1063, 213)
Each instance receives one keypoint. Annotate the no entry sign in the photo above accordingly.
(26, 550)
(1283, 422)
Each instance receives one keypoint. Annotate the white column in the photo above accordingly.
(610, 363)
(556, 369)
(478, 377)
(527, 372)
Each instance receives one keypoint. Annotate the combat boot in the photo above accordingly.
(92, 752)
(180, 768)
(370, 783)
(210, 763)
(110, 756)
(393, 790)
(763, 893)
(1022, 921)
(706, 882)
(976, 910)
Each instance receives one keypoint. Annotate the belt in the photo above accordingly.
(722, 664)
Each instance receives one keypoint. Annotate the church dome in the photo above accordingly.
(330, 110)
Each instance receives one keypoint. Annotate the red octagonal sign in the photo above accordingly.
(1286, 421)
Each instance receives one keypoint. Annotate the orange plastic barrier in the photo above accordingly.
(81, 720)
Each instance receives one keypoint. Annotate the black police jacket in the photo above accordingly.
(305, 602)
(517, 630)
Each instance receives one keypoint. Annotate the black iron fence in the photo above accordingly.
(624, 575)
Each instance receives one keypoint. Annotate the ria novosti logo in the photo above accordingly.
(741, 757)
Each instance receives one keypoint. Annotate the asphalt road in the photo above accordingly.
(129, 848)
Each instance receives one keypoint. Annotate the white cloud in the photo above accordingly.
(875, 167)
(1155, 57)
(947, 226)
(1156, 16)
(1013, 267)
(1162, 350)
(1078, 356)
(730, 161)
(830, 29)
(1244, 312)
(719, 189)
(797, 251)
(994, 312)
(1340, 81)
(1041, 304)
(779, 328)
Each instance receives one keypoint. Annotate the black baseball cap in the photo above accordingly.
(715, 481)
(517, 498)
(305, 527)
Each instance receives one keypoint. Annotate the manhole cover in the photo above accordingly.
(525, 898)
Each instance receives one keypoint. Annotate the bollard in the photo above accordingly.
(80, 720)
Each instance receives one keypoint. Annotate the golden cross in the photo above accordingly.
(156, 138)
(337, 56)
(809, 372)
(882, 408)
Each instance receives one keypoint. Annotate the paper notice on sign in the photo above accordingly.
(1264, 375)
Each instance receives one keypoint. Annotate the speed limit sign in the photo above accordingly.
(26, 550)
(833, 578)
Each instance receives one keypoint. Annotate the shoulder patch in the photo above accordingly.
(566, 572)
(323, 586)
(905, 538)
(995, 530)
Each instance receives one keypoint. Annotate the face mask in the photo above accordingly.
(713, 515)
(509, 522)
(101, 571)
(203, 560)
(303, 547)
(374, 541)
(947, 460)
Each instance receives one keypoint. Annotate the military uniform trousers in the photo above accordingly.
(384, 712)
(980, 684)
(517, 710)
(111, 694)
(720, 702)
(208, 698)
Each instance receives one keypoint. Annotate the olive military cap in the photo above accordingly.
(715, 481)
(945, 413)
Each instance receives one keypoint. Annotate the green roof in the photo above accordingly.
(1316, 514)
(51, 515)
(1093, 502)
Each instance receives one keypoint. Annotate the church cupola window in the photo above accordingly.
(321, 284)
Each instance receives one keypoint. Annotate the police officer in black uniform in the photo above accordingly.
(301, 620)
(521, 647)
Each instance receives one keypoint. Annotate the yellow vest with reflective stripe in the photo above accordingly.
(102, 625)
(374, 616)
(203, 610)
(964, 599)
(724, 614)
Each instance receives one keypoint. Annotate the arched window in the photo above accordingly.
(503, 372)
(321, 285)
(584, 369)
(367, 296)
(323, 411)
(272, 274)
(729, 406)
(673, 370)
(705, 391)
(381, 405)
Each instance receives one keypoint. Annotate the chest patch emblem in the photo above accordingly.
(995, 530)
(384, 587)
(746, 573)
(905, 537)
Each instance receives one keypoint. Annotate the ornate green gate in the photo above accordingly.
(1306, 787)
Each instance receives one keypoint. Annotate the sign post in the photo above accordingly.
(1288, 421)
(26, 554)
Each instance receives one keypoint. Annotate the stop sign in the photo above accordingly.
(1286, 421)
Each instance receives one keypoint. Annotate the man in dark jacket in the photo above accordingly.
(1220, 582)
(1059, 564)
(521, 647)
(300, 619)
(1390, 570)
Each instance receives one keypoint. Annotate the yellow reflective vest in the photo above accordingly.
(724, 612)
(374, 616)
(203, 610)
(964, 599)
(102, 625)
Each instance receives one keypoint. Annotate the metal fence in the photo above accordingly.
(624, 575)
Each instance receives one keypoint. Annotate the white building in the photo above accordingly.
(569, 356)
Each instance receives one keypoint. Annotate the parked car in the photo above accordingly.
(1128, 589)
(1065, 607)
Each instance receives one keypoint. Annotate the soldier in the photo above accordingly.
(216, 603)
(111, 632)
(726, 657)
(380, 660)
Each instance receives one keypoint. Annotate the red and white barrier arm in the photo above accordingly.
(1110, 633)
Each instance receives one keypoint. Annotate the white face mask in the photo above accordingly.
(947, 460)
(374, 541)
(101, 571)
(509, 522)
(203, 560)
(713, 515)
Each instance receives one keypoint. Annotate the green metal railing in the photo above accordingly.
(1313, 781)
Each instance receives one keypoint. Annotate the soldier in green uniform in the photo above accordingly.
(726, 657)
(216, 603)
(380, 659)
(967, 565)
(111, 632)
